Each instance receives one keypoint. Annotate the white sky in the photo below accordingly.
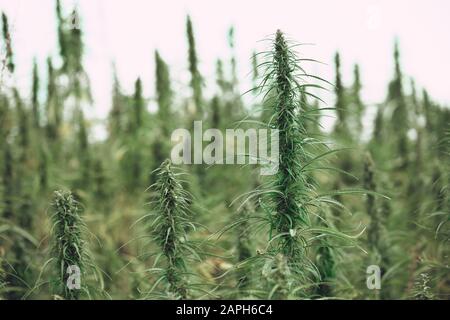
(128, 31)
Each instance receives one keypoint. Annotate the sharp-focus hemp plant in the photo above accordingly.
(290, 199)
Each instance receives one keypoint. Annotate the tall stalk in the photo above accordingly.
(10, 65)
(84, 151)
(23, 126)
(341, 126)
(164, 94)
(244, 245)
(43, 168)
(371, 208)
(35, 96)
(8, 182)
(196, 78)
(400, 123)
(133, 161)
(68, 244)
(116, 121)
(378, 126)
(215, 112)
(5, 119)
(291, 182)
(290, 199)
(255, 70)
(290, 191)
(54, 109)
(138, 106)
(377, 240)
(171, 220)
(358, 106)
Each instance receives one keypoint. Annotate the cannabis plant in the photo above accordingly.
(371, 208)
(244, 245)
(168, 225)
(341, 110)
(8, 182)
(164, 94)
(84, 151)
(35, 96)
(160, 145)
(400, 115)
(357, 111)
(9, 61)
(290, 180)
(69, 247)
(290, 200)
(196, 78)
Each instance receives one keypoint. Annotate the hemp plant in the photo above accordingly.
(290, 181)
(35, 96)
(84, 151)
(164, 97)
(9, 59)
(164, 94)
(290, 199)
(400, 113)
(358, 106)
(69, 248)
(371, 208)
(196, 82)
(244, 245)
(54, 107)
(373, 212)
(342, 121)
(8, 182)
(168, 225)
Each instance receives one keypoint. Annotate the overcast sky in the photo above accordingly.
(128, 31)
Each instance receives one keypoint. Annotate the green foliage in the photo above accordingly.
(117, 115)
(138, 107)
(358, 108)
(372, 210)
(400, 113)
(54, 109)
(69, 247)
(290, 200)
(340, 104)
(35, 96)
(244, 245)
(281, 242)
(3, 282)
(8, 46)
(8, 182)
(84, 151)
(290, 180)
(196, 78)
(171, 220)
(24, 128)
(163, 92)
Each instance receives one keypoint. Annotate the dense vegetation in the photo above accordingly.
(136, 226)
